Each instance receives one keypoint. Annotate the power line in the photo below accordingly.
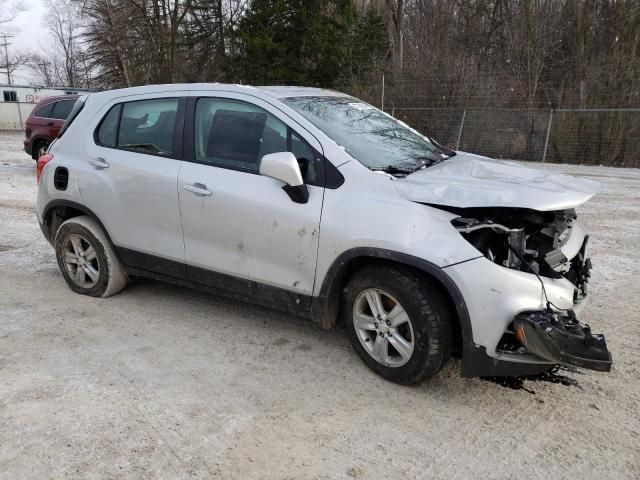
(6, 44)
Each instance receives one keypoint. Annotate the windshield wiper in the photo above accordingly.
(395, 169)
(424, 162)
(410, 166)
(447, 151)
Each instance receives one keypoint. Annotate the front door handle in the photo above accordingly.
(198, 189)
(99, 163)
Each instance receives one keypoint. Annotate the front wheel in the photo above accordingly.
(398, 323)
(86, 259)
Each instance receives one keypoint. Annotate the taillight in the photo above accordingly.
(42, 161)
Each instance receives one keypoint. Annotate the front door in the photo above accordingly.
(239, 225)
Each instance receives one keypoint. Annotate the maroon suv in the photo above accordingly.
(44, 123)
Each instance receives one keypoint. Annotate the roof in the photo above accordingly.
(272, 91)
(55, 98)
(293, 91)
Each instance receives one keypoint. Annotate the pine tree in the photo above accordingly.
(305, 42)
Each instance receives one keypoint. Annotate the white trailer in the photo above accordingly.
(17, 101)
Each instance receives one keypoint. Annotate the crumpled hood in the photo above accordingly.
(468, 180)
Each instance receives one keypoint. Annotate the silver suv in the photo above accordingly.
(317, 203)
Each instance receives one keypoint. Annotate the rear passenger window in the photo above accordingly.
(108, 128)
(62, 109)
(44, 112)
(148, 125)
(237, 134)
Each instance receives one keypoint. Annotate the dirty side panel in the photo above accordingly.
(249, 227)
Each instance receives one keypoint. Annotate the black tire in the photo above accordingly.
(40, 148)
(111, 276)
(429, 316)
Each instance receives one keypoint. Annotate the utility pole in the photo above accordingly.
(6, 44)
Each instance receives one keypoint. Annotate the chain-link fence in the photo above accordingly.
(485, 117)
(595, 137)
(14, 114)
(592, 136)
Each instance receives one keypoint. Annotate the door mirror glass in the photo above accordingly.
(282, 166)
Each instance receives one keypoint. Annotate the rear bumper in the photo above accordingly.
(28, 147)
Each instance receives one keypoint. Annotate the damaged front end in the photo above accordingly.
(545, 244)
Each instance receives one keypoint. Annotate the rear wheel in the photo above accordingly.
(86, 259)
(40, 149)
(398, 323)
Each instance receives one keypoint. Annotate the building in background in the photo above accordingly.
(17, 101)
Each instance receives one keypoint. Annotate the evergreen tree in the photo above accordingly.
(305, 42)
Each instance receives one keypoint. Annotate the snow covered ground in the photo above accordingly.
(165, 382)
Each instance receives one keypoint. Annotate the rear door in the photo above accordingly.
(130, 180)
(241, 225)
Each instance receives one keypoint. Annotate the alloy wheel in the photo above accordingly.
(80, 261)
(383, 327)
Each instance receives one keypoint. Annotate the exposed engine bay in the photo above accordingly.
(549, 244)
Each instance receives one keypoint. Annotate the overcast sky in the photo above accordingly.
(29, 32)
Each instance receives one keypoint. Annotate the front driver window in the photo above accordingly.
(237, 134)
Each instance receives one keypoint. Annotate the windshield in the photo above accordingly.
(369, 135)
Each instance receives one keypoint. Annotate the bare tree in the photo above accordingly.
(65, 22)
(41, 69)
(9, 9)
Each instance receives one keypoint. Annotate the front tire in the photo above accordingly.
(398, 322)
(86, 259)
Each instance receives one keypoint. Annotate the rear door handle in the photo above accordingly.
(198, 189)
(99, 162)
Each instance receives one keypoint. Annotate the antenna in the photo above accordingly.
(5, 43)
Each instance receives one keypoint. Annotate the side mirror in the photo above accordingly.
(283, 166)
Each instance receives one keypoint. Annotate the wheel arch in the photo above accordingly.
(58, 211)
(326, 306)
(35, 141)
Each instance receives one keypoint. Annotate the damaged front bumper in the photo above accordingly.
(560, 338)
(496, 297)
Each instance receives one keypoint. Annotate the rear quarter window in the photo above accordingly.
(62, 109)
(44, 112)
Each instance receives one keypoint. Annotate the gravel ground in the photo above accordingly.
(164, 382)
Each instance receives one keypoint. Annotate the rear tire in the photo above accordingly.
(385, 307)
(39, 149)
(87, 260)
